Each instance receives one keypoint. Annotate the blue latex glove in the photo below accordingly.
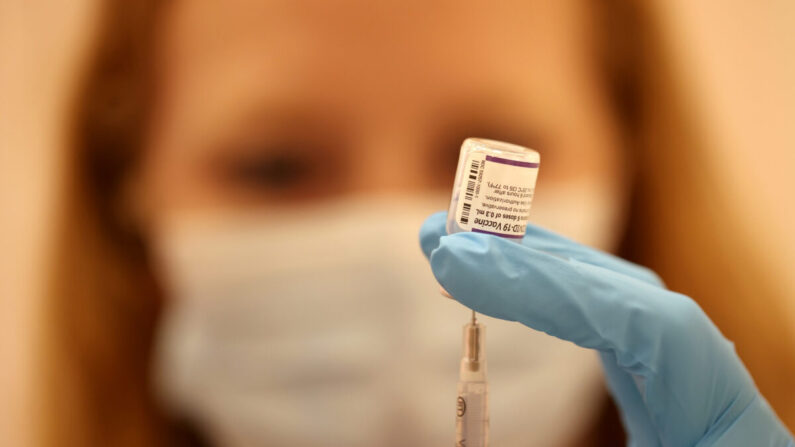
(675, 378)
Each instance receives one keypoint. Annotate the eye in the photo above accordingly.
(287, 173)
(278, 172)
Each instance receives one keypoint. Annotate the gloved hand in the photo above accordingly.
(675, 378)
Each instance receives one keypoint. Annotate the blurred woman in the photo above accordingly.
(236, 265)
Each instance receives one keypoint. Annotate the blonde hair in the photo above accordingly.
(104, 302)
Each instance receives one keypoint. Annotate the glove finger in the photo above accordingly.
(539, 238)
(431, 230)
(588, 305)
(547, 293)
(633, 411)
(550, 242)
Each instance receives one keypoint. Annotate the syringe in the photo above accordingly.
(492, 193)
(472, 410)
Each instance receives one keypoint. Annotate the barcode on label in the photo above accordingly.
(473, 176)
(465, 213)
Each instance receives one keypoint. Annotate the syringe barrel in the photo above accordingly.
(472, 409)
(472, 415)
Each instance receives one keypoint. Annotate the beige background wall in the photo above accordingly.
(40, 45)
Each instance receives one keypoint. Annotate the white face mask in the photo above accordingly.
(325, 327)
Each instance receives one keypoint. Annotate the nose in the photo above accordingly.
(391, 164)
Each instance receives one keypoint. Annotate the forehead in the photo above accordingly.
(377, 54)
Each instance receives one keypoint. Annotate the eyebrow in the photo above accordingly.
(263, 119)
(497, 115)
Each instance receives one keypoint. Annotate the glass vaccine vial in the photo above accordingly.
(493, 188)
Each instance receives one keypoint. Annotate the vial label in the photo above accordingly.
(496, 196)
